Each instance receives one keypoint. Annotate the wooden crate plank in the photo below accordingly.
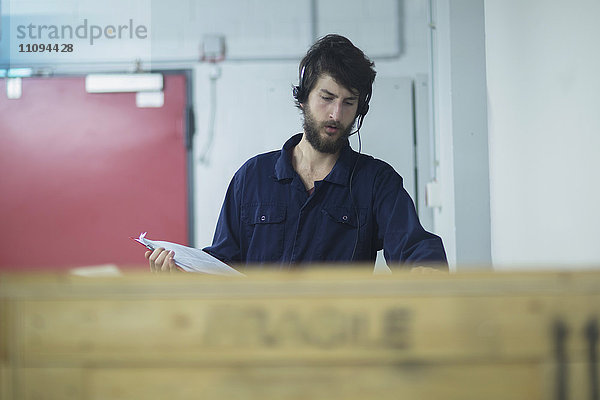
(54, 383)
(384, 329)
(453, 382)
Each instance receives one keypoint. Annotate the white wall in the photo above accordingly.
(461, 126)
(445, 221)
(543, 75)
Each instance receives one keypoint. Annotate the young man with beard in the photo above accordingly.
(317, 200)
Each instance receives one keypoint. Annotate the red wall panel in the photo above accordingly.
(80, 173)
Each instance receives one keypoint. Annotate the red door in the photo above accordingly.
(81, 172)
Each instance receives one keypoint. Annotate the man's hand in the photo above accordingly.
(161, 260)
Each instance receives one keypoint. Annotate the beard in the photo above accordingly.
(328, 143)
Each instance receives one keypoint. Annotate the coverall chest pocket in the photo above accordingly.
(263, 231)
(339, 229)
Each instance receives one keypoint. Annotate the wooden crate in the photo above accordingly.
(331, 334)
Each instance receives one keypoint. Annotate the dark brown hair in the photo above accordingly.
(337, 57)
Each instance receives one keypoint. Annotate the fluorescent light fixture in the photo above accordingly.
(16, 72)
(20, 72)
(118, 83)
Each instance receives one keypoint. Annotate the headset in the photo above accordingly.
(300, 93)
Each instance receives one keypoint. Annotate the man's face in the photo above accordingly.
(329, 115)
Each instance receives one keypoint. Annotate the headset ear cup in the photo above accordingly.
(365, 110)
(299, 94)
(298, 91)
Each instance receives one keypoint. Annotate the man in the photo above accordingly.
(317, 200)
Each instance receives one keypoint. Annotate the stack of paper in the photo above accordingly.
(190, 259)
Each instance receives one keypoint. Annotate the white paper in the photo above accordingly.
(191, 259)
